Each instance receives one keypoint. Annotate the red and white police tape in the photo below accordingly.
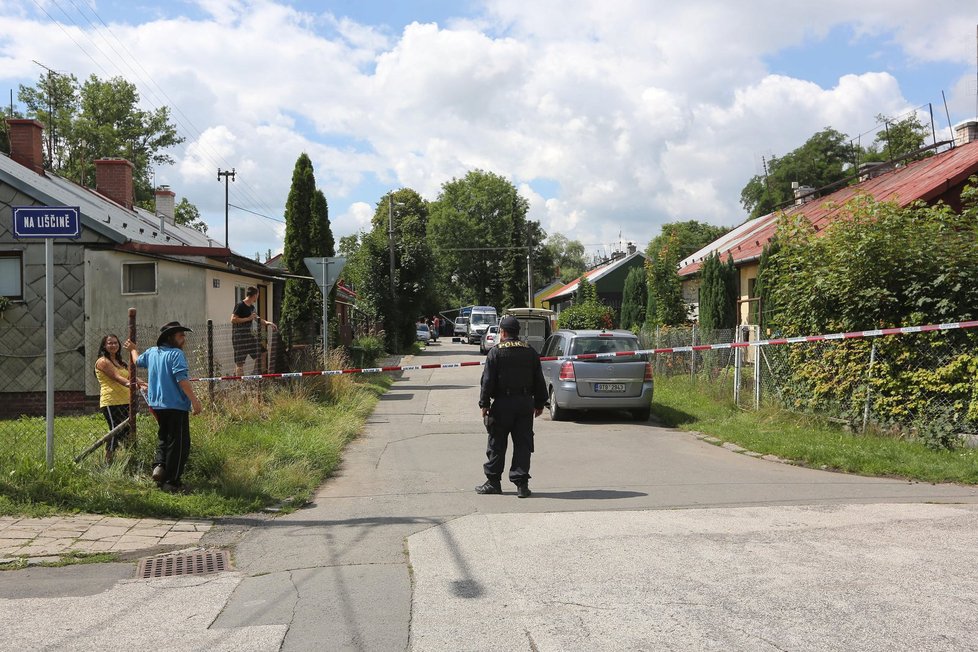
(620, 354)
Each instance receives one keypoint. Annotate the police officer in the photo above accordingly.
(513, 392)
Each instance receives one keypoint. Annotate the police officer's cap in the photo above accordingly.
(510, 324)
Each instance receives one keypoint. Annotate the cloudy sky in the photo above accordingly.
(612, 117)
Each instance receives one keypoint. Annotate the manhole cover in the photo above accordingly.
(194, 563)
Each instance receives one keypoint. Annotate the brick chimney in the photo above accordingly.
(166, 203)
(26, 137)
(113, 178)
(965, 132)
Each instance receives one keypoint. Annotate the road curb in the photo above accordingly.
(740, 450)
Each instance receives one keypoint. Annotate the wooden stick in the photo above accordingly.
(91, 449)
(133, 385)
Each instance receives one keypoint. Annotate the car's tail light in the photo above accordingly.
(567, 371)
(648, 371)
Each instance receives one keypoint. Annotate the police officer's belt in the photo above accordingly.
(523, 391)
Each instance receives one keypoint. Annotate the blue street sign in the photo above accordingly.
(47, 222)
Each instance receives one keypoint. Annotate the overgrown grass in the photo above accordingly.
(682, 404)
(68, 559)
(257, 446)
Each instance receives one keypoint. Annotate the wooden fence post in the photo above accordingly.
(133, 386)
(210, 359)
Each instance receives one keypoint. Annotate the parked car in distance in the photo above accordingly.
(461, 328)
(424, 333)
(614, 383)
(536, 325)
(489, 340)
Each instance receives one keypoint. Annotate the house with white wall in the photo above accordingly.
(126, 257)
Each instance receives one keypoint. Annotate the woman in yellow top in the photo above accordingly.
(113, 380)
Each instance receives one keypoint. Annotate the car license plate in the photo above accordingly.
(609, 388)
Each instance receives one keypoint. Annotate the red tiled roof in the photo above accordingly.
(924, 180)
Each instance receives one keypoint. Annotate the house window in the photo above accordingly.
(138, 278)
(239, 293)
(11, 274)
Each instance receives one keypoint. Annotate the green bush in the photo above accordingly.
(589, 315)
(367, 350)
(880, 265)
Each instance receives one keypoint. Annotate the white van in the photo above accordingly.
(480, 319)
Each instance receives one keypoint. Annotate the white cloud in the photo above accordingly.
(356, 218)
(641, 112)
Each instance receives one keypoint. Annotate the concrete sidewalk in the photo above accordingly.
(58, 535)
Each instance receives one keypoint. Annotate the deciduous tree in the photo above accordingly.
(100, 118)
(369, 267)
(188, 214)
(477, 230)
(823, 159)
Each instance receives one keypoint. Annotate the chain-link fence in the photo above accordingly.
(919, 384)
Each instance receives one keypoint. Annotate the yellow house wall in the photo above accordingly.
(220, 303)
(747, 273)
(221, 300)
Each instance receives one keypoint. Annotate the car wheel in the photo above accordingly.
(642, 415)
(557, 413)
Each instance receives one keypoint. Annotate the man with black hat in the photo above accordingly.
(513, 393)
(172, 398)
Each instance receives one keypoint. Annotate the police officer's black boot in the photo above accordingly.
(523, 490)
(489, 487)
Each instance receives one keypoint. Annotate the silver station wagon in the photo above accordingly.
(612, 383)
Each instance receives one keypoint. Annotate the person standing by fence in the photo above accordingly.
(113, 380)
(243, 338)
(172, 398)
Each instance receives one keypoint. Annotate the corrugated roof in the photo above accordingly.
(592, 276)
(99, 212)
(924, 180)
(548, 288)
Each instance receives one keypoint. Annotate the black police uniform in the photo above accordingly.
(513, 385)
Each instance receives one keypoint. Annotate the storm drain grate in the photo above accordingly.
(194, 563)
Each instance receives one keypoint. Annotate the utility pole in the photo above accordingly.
(51, 122)
(227, 175)
(390, 246)
(529, 264)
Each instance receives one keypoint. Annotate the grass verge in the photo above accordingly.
(257, 446)
(682, 404)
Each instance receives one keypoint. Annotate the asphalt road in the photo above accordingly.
(338, 571)
(615, 550)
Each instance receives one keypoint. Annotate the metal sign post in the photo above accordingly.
(48, 222)
(326, 271)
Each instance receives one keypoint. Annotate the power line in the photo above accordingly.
(68, 34)
(249, 192)
(248, 210)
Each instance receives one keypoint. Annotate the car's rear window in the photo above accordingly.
(599, 344)
(533, 327)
